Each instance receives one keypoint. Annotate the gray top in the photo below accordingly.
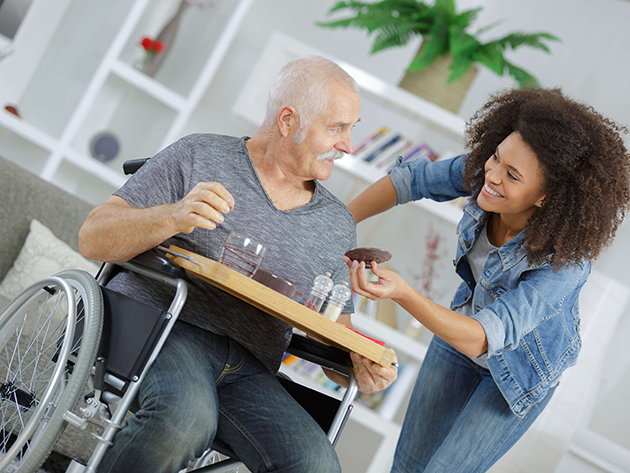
(477, 257)
(301, 243)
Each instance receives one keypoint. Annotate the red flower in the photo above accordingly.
(152, 47)
(147, 43)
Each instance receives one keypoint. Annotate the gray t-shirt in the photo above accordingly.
(301, 243)
(477, 257)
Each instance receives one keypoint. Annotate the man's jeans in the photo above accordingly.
(457, 420)
(202, 385)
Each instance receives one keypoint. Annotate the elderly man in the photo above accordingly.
(215, 376)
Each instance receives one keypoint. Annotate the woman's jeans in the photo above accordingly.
(457, 420)
(203, 385)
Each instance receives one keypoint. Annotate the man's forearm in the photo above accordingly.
(116, 232)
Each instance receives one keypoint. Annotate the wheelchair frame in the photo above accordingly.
(168, 272)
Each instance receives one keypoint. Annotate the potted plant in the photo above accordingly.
(447, 42)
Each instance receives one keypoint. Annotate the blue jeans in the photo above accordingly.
(203, 385)
(457, 420)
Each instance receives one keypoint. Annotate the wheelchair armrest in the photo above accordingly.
(316, 352)
(157, 262)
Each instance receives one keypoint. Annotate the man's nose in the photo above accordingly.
(345, 144)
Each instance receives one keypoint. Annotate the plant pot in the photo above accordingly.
(430, 84)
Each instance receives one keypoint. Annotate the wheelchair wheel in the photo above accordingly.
(45, 363)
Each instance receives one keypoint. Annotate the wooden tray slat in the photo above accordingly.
(282, 307)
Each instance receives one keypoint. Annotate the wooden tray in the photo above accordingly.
(282, 307)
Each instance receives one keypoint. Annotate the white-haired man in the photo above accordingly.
(215, 376)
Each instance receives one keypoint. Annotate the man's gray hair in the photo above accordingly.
(304, 84)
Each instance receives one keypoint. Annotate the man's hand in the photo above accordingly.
(372, 377)
(202, 207)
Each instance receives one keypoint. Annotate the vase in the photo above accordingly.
(430, 84)
(166, 36)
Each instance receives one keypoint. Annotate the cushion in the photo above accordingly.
(42, 255)
(25, 196)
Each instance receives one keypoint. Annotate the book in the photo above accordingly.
(375, 144)
(421, 150)
(389, 156)
(370, 138)
(383, 148)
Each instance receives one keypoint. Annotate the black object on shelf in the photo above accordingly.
(104, 147)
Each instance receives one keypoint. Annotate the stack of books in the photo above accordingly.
(383, 148)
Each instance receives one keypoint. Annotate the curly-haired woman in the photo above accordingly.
(549, 181)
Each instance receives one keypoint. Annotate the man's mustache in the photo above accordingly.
(331, 154)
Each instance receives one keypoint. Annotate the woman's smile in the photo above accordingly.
(491, 191)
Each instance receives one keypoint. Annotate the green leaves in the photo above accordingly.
(443, 31)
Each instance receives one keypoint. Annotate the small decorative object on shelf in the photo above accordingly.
(168, 33)
(151, 49)
(338, 297)
(104, 147)
(12, 109)
(321, 287)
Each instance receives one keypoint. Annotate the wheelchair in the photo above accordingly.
(68, 337)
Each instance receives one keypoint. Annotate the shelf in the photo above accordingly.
(69, 62)
(406, 103)
(85, 185)
(392, 337)
(282, 48)
(199, 36)
(96, 168)
(251, 105)
(27, 131)
(14, 146)
(151, 87)
(371, 174)
(137, 119)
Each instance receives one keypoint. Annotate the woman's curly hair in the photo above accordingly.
(585, 166)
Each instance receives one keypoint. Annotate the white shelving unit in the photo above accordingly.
(419, 117)
(381, 102)
(87, 84)
(70, 99)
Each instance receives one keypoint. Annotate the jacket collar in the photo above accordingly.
(512, 252)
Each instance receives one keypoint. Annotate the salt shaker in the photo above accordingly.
(321, 287)
(337, 300)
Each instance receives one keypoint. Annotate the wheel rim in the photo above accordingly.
(33, 334)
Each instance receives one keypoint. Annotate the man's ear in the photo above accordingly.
(288, 121)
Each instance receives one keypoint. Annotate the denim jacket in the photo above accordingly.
(528, 311)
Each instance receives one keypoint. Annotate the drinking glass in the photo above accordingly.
(242, 254)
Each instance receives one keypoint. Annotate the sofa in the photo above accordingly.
(25, 197)
(39, 226)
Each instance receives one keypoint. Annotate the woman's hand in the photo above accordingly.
(389, 285)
